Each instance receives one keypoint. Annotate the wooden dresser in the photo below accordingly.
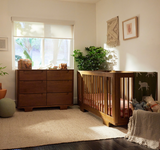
(44, 88)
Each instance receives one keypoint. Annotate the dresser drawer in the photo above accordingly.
(59, 86)
(60, 75)
(32, 75)
(32, 100)
(59, 99)
(32, 86)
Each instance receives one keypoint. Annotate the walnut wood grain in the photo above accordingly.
(32, 75)
(59, 86)
(32, 100)
(59, 98)
(60, 75)
(111, 96)
(32, 86)
(44, 88)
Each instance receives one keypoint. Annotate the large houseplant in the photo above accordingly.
(97, 58)
(2, 73)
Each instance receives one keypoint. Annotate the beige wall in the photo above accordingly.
(83, 15)
(138, 54)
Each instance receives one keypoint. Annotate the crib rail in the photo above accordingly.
(124, 94)
(95, 90)
(107, 94)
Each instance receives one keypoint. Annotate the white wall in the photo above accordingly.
(138, 54)
(83, 15)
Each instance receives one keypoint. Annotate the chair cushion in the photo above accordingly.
(7, 107)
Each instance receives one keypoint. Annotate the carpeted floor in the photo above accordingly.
(51, 126)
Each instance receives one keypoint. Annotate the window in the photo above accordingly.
(43, 43)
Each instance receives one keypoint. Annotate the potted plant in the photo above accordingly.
(2, 73)
(97, 58)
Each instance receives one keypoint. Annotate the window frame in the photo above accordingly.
(44, 21)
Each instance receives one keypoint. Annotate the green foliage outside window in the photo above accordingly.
(27, 45)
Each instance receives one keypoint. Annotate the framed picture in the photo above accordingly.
(130, 28)
(3, 43)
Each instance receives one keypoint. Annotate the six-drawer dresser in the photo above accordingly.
(44, 88)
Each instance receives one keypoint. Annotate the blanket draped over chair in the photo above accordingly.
(144, 128)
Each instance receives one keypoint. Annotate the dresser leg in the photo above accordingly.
(28, 109)
(63, 107)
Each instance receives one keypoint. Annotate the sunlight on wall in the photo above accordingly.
(116, 67)
(131, 63)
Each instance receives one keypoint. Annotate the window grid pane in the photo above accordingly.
(30, 43)
(28, 48)
(57, 51)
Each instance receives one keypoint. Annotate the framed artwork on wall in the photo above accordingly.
(3, 43)
(130, 28)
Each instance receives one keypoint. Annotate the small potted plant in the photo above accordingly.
(2, 73)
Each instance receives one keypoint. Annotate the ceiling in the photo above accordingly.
(82, 1)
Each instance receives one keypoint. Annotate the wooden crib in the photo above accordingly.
(106, 94)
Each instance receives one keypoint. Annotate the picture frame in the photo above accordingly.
(3, 43)
(130, 28)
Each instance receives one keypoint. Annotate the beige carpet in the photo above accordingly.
(51, 126)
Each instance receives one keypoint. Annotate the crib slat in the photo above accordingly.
(98, 93)
(88, 89)
(84, 88)
(110, 96)
(123, 97)
(94, 91)
(101, 94)
(109, 87)
(128, 95)
(91, 91)
(80, 88)
(105, 95)
(90, 103)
